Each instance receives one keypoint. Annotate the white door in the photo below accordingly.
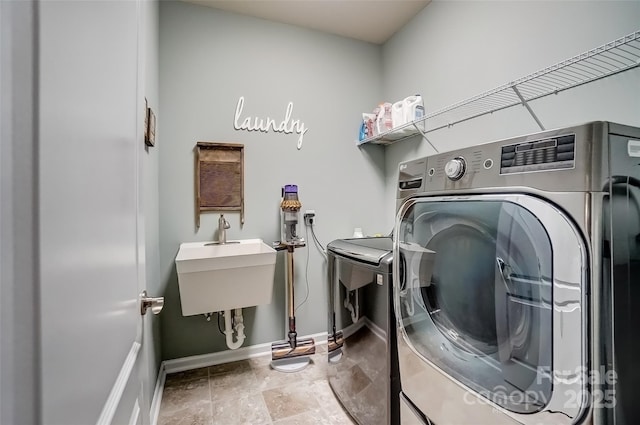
(90, 127)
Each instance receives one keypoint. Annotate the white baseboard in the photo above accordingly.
(157, 395)
(206, 360)
(227, 356)
(349, 330)
(377, 330)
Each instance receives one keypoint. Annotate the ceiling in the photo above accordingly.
(374, 21)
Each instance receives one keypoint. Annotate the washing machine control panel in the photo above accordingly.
(455, 168)
(464, 169)
(553, 160)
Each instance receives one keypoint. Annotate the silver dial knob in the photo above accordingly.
(455, 168)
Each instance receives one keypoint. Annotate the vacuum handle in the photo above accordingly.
(290, 280)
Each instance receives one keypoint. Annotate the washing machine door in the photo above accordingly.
(489, 291)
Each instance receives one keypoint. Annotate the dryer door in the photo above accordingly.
(489, 290)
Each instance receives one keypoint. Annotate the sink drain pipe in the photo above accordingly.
(355, 311)
(238, 328)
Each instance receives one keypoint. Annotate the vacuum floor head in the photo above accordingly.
(303, 347)
(285, 358)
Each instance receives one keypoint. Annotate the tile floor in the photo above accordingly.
(250, 392)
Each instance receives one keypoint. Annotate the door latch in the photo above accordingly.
(153, 303)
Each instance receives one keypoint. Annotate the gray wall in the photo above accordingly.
(448, 52)
(150, 195)
(19, 336)
(208, 59)
(454, 50)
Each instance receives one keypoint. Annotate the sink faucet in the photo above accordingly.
(223, 225)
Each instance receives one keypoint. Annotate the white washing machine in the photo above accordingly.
(517, 280)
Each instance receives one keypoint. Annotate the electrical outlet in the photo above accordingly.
(309, 216)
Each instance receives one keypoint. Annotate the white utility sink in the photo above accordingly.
(217, 277)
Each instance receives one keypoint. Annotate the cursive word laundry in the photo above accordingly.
(287, 125)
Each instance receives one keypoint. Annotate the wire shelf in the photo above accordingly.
(609, 59)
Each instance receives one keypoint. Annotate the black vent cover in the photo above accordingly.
(547, 154)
